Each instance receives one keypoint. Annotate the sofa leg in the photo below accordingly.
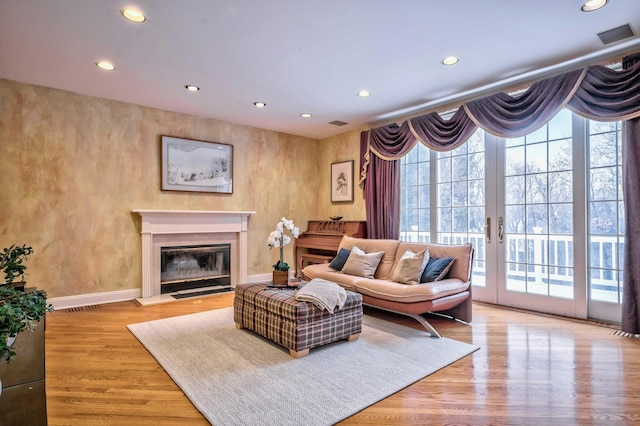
(426, 325)
(432, 331)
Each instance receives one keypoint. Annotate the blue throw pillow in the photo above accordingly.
(436, 269)
(341, 258)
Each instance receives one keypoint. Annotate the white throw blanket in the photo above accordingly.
(323, 294)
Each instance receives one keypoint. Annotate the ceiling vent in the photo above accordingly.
(616, 34)
(338, 123)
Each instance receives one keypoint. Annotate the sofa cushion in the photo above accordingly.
(338, 262)
(389, 290)
(436, 269)
(362, 264)
(410, 267)
(389, 248)
(323, 270)
(463, 253)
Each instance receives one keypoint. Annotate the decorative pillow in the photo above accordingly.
(338, 262)
(410, 267)
(436, 269)
(362, 264)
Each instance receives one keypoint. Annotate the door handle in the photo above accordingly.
(500, 230)
(487, 229)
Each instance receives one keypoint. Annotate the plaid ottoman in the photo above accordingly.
(298, 326)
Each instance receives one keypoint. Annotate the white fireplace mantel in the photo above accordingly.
(159, 223)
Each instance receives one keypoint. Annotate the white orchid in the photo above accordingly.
(278, 239)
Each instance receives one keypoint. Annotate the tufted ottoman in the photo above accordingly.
(298, 326)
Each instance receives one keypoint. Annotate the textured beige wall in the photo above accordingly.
(73, 168)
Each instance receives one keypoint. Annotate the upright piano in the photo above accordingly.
(323, 237)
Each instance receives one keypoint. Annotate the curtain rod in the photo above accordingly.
(621, 49)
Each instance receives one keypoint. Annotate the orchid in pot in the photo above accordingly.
(278, 239)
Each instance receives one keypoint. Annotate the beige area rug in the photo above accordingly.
(235, 377)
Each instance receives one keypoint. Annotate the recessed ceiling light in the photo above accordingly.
(364, 93)
(305, 115)
(592, 5)
(105, 65)
(133, 15)
(260, 104)
(192, 88)
(450, 60)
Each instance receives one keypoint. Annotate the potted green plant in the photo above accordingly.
(12, 263)
(19, 309)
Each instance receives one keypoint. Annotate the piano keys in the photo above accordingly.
(323, 237)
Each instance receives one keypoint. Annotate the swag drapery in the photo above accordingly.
(596, 92)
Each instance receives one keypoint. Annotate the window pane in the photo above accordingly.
(444, 170)
(602, 150)
(515, 219)
(476, 166)
(560, 187)
(560, 155)
(561, 218)
(444, 220)
(444, 194)
(476, 193)
(537, 136)
(536, 188)
(514, 190)
(536, 158)
(560, 125)
(537, 219)
(604, 183)
(514, 158)
(460, 193)
(603, 218)
(459, 168)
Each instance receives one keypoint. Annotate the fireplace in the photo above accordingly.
(191, 267)
(172, 230)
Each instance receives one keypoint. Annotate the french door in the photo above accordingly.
(543, 211)
(539, 232)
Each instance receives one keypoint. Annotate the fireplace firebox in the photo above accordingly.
(193, 267)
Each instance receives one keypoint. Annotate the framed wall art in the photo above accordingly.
(342, 181)
(190, 165)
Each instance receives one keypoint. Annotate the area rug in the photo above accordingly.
(236, 377)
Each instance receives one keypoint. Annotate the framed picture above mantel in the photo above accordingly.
(342, 182)
(191, 165)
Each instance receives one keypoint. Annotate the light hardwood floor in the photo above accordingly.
(531, 369)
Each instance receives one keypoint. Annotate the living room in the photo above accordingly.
(76, 167)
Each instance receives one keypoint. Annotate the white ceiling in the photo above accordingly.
(299, 55)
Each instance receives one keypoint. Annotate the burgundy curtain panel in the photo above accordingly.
(597, 93)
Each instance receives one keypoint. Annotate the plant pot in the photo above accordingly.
(280, 277)
(20, 285)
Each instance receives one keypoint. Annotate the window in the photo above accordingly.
(415, 198)
(606, 211)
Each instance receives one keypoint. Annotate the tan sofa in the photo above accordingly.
(449, 296)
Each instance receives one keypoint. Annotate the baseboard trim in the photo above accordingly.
(260, 278)
(79, 300)
(66, 302)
